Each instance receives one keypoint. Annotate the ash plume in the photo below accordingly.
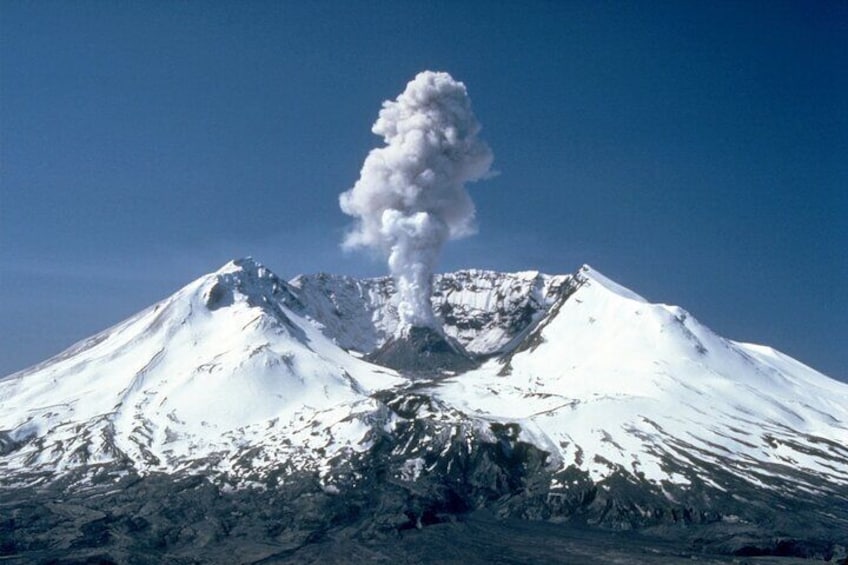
(410, 197)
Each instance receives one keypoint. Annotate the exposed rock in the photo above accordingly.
(423, 350)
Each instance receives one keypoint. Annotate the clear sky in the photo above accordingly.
(695, 152)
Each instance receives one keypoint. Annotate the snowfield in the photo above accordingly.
(613, 382)
(240, 373)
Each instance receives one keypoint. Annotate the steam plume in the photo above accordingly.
(410, 197)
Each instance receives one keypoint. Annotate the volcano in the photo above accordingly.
(552, 417)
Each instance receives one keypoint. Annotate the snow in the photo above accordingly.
(240, 370)
(182, 381)
(617, 378)
(361, 315)
(596, 277)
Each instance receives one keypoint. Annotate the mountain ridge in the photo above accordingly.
(245, 323)
(587, 403)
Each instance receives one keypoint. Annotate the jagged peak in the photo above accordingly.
(246, 277)
(460, 273)
(246, 265)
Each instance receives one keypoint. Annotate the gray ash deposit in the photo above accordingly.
(423, 350)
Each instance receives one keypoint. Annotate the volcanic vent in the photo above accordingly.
(420, 349)
(410, 199)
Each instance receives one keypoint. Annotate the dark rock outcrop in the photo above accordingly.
(423, 350)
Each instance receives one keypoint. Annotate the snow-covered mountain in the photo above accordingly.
(220, 366)
(586, 400)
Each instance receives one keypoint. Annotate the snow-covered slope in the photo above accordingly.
(220, 365)
(244, 375)
(612, 383)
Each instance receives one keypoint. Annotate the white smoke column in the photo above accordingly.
(410, 197)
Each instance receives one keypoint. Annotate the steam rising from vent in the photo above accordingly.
(410, 197)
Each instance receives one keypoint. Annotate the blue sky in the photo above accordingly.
(694, 152)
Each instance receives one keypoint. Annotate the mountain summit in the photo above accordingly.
(554, 398)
